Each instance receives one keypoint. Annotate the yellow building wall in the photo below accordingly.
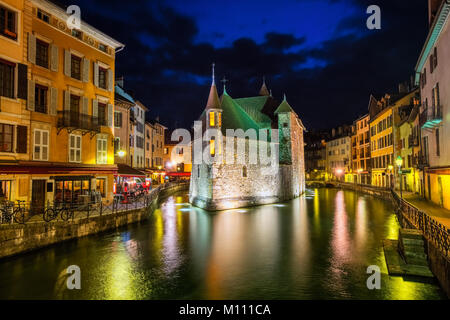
(377, 172)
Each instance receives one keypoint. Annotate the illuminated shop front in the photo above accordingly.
(71, 189)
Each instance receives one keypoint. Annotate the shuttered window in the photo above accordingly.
(74, 148)
(6, 79)
(6, 137)
(42, 53)
(118, 119)
(22, 139)
(75, 67)
(40, 96)
(102, 76)
(40, 150)
(102, 114)
(102, 151)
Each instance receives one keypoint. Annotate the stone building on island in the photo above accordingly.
(222, 184)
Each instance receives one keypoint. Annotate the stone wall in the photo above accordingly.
(226, 184)
(17, 238)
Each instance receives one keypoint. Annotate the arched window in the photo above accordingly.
(244, 171)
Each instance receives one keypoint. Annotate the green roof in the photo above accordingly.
(234, 117)
(284, 107)
(253, 107)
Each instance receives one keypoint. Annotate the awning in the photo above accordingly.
(127, 171)
(178, 174)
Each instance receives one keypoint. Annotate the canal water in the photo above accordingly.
(315, 247)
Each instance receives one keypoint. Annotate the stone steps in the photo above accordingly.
(407, 256)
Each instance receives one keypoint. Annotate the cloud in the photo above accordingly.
(169, 69)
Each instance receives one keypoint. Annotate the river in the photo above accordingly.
(317, 246)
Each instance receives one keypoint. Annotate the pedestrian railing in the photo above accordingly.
(24, 212)
(433, 231)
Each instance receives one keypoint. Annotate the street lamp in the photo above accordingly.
(399, 163)
(121, 153)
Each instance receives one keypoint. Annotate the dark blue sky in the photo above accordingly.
(318, 52)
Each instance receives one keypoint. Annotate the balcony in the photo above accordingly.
(431, 117)
(77, 121)
(413, 141)
(420, 161)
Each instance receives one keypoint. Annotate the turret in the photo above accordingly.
(284, 113)
(213, 107)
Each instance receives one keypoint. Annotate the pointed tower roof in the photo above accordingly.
(284, 107)
(213, 99)
(264, 91)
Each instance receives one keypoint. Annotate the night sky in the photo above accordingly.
(318, 52)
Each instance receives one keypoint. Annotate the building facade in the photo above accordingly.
(123, 103)
(433, 77)
(69, 106)
(382, 143)
(338, 158)
(361, 168)
(138, 135)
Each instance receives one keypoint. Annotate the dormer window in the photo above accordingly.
(77, 34)
(8, 23)
(103, 47)
(43, 16)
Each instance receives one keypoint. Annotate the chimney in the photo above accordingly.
(119, 82)
(433, 7)
(402, 88)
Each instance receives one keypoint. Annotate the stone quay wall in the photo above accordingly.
(20, 238)
(231, 189)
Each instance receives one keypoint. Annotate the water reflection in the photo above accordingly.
(314, 247)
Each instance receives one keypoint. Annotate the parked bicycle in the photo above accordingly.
(10, 213)
(66, 212)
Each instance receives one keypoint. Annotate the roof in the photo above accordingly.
(284, 107)
(120, 94)
(60, 12)
(213, 99)
(141, 105)
(264, 91)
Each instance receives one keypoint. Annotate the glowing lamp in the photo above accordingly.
(359, 170)
(390, 167)
(339, 171)
(399, 161)
(121, 153)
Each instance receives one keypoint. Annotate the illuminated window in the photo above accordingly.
(102, 151)
(212, 147)
(211, 119)
(219, 119)
(101, 186)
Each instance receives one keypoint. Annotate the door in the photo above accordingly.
(38, 196)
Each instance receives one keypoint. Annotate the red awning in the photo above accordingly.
(178, 174)
(127, 171)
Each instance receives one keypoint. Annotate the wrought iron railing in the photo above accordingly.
(430, 117)
(26, 212)
(72, 119)
(433, 231)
